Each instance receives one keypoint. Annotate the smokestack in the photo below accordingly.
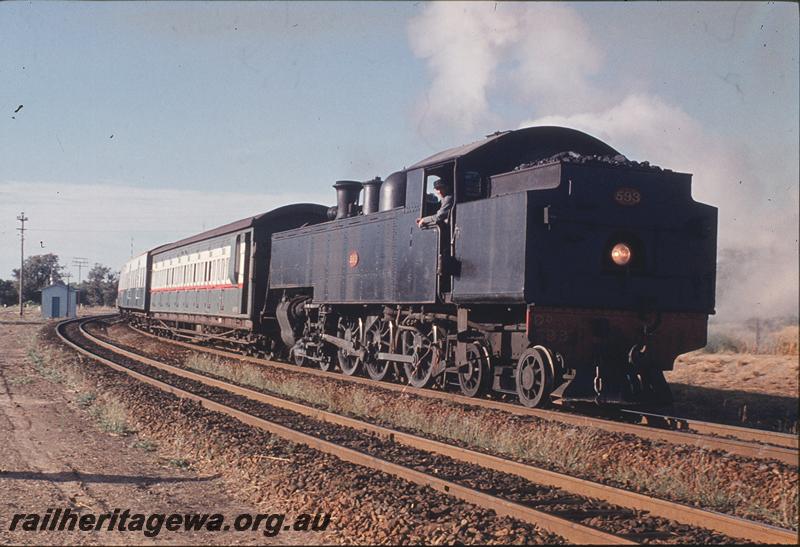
(347, 192)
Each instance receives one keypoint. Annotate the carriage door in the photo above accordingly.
(242, 270)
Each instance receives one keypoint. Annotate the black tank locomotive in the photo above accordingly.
(564, 272)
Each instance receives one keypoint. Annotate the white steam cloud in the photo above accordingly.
(538, 51)
(463, 49)
(544, 54)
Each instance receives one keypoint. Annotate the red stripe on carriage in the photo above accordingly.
(200, 287)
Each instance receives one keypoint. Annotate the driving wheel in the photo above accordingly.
(418, 345)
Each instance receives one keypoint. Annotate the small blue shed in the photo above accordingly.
(58, 300)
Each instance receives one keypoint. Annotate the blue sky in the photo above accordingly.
(220, 110)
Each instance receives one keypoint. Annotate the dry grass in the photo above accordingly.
(571, 450)
(765, 374)
(747, 375)
(785, 341)
(549, 443)
(111, 415)
(107, 411)
(756, 336)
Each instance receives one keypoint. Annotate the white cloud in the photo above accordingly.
(98, 221)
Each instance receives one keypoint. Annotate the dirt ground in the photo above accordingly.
(737, 388)
(54, 455)
(766, 374)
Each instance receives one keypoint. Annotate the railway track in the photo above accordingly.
(401, 454)
(741, 441)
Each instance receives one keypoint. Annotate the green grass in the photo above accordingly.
(179, 463)
(145, 444)
(40, 364)
(85, 400)
(20, 380)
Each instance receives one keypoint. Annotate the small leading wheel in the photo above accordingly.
(377, 341)
(348, 329)
(473, 375)
(534, 377)
(297, 357)
(418, 345)
(325, 361)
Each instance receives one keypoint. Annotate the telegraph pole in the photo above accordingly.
(22, 219)
(68, 276)
(80, 262)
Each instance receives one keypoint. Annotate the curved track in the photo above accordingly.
(567, 527)
(747, 442)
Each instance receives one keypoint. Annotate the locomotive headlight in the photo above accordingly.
(621, 254)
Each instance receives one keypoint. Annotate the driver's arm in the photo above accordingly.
(441, 215)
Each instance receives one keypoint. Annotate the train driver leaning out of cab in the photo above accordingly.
(445, 192)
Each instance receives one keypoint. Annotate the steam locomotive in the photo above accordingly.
(565, 272)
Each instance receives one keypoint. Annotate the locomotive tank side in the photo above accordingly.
(379, 258)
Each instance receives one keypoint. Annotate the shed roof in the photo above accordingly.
(58, 286)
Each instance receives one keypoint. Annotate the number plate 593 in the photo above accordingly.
(627, 196)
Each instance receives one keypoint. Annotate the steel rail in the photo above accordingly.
(571, 531)
(787, 440)
(700, 439)
(725, 524)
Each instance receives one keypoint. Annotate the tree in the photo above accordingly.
(100, 286)
(40, 271)
(8, 293)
